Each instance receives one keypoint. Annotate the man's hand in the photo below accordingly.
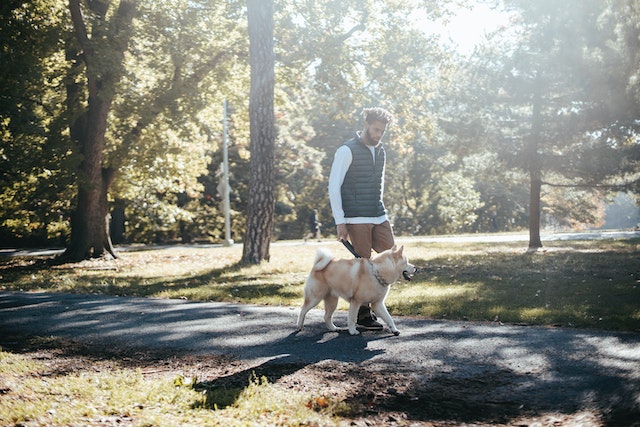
(343, 234)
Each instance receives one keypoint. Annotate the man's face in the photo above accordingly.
(374, 132)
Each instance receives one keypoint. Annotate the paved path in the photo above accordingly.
(547, 368)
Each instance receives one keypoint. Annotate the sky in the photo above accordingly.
(468, 27)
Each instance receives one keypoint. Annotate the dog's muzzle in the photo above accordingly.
(408, 276)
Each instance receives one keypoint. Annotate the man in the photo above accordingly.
(356, 186)
(314, 226)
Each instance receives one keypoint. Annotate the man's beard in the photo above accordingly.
(370, 140)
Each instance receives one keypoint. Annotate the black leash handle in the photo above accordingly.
(347, 244)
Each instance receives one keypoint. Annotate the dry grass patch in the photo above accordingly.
(59, 383)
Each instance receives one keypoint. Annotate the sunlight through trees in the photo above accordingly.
(111, 117)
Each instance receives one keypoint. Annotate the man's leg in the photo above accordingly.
(360, 235)
(382, 237)
(366, 237)
(381, 240)
(361, 239)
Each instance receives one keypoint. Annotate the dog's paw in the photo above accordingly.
(354, 332)
(396, 333)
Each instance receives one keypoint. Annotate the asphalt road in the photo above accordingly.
(544, 369)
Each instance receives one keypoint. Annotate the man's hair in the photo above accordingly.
(377, 114)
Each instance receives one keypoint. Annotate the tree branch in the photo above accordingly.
(79, 27)
(616, 187)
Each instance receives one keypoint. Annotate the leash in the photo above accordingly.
(347, 244)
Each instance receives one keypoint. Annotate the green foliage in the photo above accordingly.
(458, 154)
(543, 94)
(185, 59)
(457, 202)
(34, 188)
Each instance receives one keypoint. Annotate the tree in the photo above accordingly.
(559, 67)
(367, 53)
(184, 58)
(475, 136)
(100, 42)
(262, 121)
(34, 189)
(154, 79)
(612, 160)
(538, 94)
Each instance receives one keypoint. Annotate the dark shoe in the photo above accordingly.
(367, 320)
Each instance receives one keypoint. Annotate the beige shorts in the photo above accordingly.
(365, 237)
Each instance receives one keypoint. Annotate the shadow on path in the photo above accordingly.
(449, 371)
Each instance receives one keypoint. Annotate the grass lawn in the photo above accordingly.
(585, 284)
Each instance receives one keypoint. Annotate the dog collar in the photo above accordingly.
(378, 276)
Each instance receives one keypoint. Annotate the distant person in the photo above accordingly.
(356, 186)
(493, 215)
(315, 230)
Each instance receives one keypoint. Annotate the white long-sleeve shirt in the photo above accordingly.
(341, 163)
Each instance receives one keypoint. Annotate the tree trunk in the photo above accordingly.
(535, 169)
(117, 229)
(534, 212)
(262, 133)
(89, 236)
(89, 222)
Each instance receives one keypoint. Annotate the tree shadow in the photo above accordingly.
(330, 346)
(449, 371)
(491, 374)
(217, 284)
(587, 288)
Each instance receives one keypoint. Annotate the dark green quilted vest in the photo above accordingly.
(362, 187)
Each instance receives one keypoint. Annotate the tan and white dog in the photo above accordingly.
(359, 281)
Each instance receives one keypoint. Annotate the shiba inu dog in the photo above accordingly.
(358, 281)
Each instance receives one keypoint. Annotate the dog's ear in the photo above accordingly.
(397, 251)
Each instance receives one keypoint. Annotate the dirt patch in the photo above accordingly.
(398, 398)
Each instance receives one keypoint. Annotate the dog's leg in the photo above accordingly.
(353, 317)
(380, 309)
(330, 304)
(310, 301)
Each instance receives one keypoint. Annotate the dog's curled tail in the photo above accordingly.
(323, 258)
